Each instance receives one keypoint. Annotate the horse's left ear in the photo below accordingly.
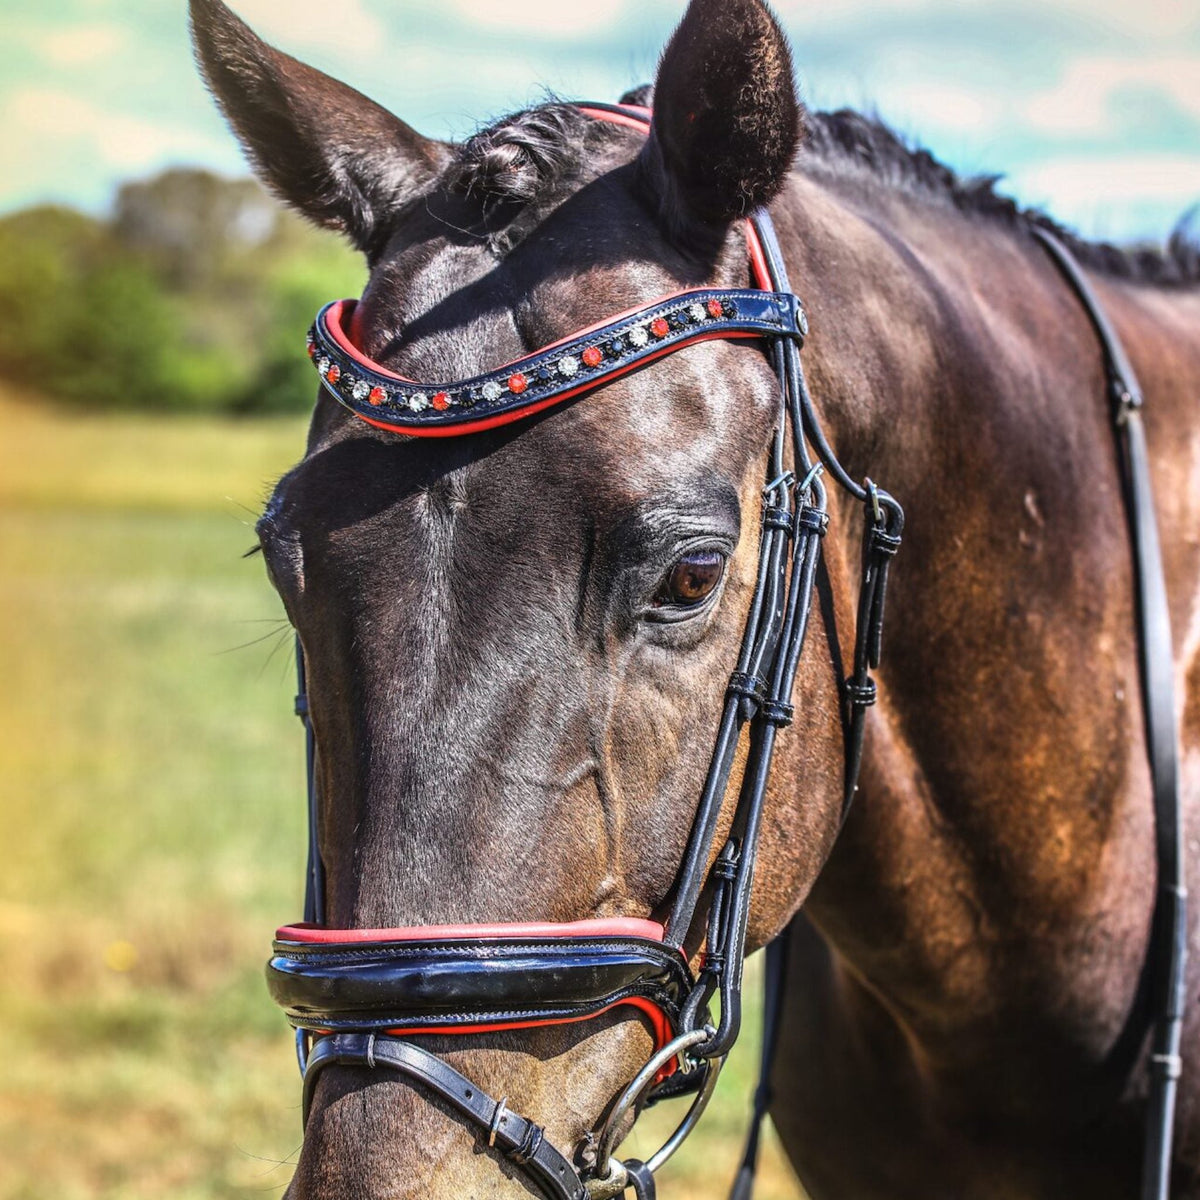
(726, 118)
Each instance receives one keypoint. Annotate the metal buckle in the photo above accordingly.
(786, 479)
(497, 1117)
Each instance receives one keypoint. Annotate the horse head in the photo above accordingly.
(518, 640)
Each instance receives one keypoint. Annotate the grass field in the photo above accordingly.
(151, 823)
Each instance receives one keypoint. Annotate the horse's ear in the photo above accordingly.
(319, 145)
(726, 118)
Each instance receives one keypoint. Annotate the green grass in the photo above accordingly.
(152, 827)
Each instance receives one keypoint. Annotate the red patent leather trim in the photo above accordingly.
(659, 1024)
(601, 114)
(758, 260)
(534, 930)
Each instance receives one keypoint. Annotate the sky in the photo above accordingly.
(1089, 108)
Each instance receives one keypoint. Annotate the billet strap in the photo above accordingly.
(579, 363)
(1167, 952)
(516, 1137)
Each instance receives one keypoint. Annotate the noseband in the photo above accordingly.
(357, 997)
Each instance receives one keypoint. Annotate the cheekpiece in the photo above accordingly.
(568, 368)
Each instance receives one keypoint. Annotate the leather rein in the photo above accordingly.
(357, 997)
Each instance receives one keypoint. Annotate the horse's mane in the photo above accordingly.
(847, 137)
(522, 157)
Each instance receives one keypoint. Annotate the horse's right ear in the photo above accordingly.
(322, 147)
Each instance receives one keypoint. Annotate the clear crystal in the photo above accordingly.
(361, 390)
(696, 312)
(568, 366)
(491, 390)
(418, 401)
(323, 366)
(638, 336)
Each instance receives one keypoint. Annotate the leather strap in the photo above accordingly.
(460, 984)
(578, 364)
(518, 1138)
(1168, 948)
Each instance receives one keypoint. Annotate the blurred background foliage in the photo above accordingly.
(153, 386)
(192, 297)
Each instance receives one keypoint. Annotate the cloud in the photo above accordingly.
(48, 116)
(1160, 19)
(1118, 196)
(1086, 100)
(550, 18)
(1052, 90)
(1171, 177)
(74, 47)
(956, 108)
(342, 29)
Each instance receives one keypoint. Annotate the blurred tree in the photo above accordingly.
(195, 296)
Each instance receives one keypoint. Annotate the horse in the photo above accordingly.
(517, 640)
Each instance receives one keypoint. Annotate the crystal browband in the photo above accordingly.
(567, 368)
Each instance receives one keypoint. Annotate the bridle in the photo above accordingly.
(356, 997)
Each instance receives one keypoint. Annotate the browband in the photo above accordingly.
(567, 368)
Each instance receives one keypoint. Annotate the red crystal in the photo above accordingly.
(334, 373)
(592, 356)
(714, 309)
(377, 396)
(517, 383)
(312, 349)
(659, 327)
(440, 401)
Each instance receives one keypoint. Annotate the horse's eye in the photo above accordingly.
(692, 579)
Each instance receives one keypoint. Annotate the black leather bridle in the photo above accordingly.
(357, 997)
(361, 995)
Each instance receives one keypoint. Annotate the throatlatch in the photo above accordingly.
(358, 996)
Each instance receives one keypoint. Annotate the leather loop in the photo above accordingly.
(812, 520)
(777, 518)
(531, 1143)
(861, 694)
(776, 712)
(753, 687)
(882, 542)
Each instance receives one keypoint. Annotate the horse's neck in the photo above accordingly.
(1004, 826)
